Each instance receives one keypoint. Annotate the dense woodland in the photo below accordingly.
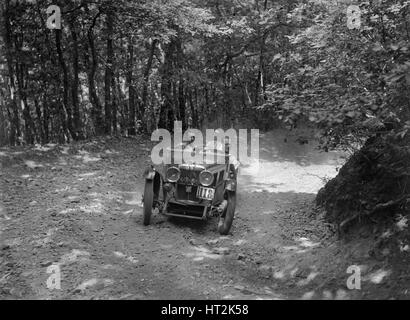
(130, 66)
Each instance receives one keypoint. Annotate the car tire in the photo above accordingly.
(148, 201)
(226, 219)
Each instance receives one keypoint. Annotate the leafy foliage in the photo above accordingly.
(129, 66)
(350, 83)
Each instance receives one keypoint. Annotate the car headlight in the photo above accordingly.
(206, 178)
(173, 174)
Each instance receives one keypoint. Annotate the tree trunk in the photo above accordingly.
(39, 120)
(166, 115)
(30, 128)
(131, 89)
(75, 83)
(109, 71)
(181, 83)
(193, 111)
(68, 118)
(46, 119)
(15, 132)
(195, 118)
(181, 101)
(260, 81)
(146, 77)
(96, 112)
(22, 78)
(115, 104)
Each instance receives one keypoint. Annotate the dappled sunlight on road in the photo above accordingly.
(285, 177)
(378, 276)
(200, 253)
(287, 166)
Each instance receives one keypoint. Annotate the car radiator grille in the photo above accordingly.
(182, 193)
(189, 177)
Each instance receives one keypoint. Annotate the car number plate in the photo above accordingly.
(205, 193)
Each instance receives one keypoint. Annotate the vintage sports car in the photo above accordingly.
(194, 191)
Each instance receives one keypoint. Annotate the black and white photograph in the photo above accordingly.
(217, 151)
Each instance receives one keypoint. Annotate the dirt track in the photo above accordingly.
(79, 207)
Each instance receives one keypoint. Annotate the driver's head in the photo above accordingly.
(191, 136)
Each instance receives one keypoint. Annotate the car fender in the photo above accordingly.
(149, 174)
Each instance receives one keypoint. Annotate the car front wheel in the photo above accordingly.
(148, 201)
(226, 219)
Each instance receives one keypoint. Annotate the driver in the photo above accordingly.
(218, 146)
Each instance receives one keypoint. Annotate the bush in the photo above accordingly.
(373, 184)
